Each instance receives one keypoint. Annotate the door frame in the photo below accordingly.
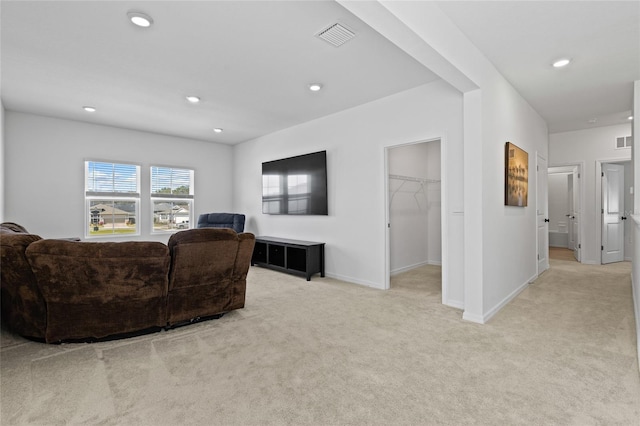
(581, 170)
(545, 214)
(443, 209)
(598, 211)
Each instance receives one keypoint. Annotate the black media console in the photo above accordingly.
(292, 256)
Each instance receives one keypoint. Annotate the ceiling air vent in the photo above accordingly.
(336, 34)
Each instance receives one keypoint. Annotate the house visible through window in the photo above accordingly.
(171, 198)
(112, 199)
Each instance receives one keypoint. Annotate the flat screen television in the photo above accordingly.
(296, 185)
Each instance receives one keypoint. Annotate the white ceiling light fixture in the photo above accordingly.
(193, 99)
(89, 108)
(217, 130)
(140, 19)
(560, 63)
(630, 117)
(315, 87)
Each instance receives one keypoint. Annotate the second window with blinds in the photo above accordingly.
(171, 199)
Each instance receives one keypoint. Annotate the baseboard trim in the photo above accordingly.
(352, 280)
(478, 319)
(509, 298)
(410, 267)
(458, 304)
(483, 319)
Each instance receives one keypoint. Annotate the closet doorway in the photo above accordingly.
(414, 221)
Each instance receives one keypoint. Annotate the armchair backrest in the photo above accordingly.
(233, 221)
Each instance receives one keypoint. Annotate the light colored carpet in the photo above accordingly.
(330, 353)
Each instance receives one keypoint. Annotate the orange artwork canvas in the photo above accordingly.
(516, 183)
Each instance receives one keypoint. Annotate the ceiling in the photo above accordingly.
(251, 62)
(523, 38)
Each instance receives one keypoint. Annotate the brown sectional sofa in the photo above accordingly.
(58, 290)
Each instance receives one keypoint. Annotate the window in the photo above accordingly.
(624, 142)
(171, 198)
(112, 199)
(292, 192)
(272, 194)
(298, 189)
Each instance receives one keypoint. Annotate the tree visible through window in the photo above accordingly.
(112, 199)
(171, 198)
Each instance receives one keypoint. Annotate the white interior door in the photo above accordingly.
(574, 219)
(542, 210)
(570, 230)
(612, 213)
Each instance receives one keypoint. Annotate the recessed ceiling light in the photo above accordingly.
(630, 117)
(89, 108)
(217, 130)
(314, 87)
(140, 19)
(561, 63)
(193, 99)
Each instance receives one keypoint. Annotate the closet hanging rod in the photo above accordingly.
(414, 179)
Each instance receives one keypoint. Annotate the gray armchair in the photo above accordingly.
(234, 221)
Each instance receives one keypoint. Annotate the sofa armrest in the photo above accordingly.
(246, 243)
(23, 306)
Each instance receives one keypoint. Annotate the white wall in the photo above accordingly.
(628, 207)
(44, 171)
(414, 210)
(355, 140)
(589, 146)
(558, 202)
(2, 162)
(500, 243)
(509, 233)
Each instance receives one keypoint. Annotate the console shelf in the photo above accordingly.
(291, 256)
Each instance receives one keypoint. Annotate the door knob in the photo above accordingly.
(546, 220)
(573, 217)
(623, 218)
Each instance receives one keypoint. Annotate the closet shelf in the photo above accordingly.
(405, 179)
(413, 179)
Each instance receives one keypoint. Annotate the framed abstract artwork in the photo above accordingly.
(516, 176)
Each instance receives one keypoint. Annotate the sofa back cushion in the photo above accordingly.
(202, 257)
(95, 289)
(201, 277)
(11, 227)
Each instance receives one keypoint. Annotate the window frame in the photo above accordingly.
(114, 197)
(171, 198)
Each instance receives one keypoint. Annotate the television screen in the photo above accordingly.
(295, 185)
